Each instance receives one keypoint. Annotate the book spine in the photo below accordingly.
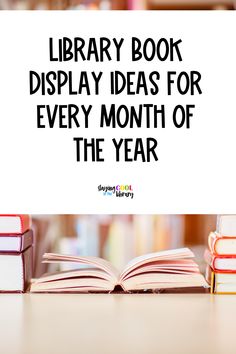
(25, 222)
(26, 240)
(27, 263)
(212, 282)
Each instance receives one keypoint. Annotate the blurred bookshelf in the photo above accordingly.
(116, 4)
(118, 238)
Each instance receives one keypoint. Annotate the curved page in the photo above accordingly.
(175, 254)
(90, 261)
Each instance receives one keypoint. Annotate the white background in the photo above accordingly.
(196, 170)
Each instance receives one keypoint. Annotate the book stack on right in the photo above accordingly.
(221, 256)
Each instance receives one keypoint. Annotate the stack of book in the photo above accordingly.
(16, 256)
(221, 256)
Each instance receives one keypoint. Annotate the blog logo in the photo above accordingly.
(119, 191)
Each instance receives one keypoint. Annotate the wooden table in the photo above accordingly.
(108, 324)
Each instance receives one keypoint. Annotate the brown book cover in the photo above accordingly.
(16, 271)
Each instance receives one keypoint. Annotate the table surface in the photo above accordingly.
(138, 323)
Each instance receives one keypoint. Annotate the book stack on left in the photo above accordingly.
(16, 255)
(221, 256)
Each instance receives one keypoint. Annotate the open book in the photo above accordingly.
(160, 270)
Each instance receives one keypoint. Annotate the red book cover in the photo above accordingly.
(221, 264)
(221, 245)
(14, 223)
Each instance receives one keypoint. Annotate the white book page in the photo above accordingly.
(10, 224)
(226, 225)
(174, 254)
(225, 263)
(168, 268)
(75, 273)
(162, 281)
(226, 288)
(9, 243)
(225, 278)
(90, 261)
(70, 285)
(226, 246)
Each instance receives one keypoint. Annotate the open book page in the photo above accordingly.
(99, 276)
(81, 280)
(75, 273)
(160, 270)
(180, 267)
(170, 259)
(164, 281)
(95, 262)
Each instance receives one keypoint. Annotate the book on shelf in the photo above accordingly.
(221, 282)
(222, 245)
(16, 242)
(171, 269)
(15, 271)
(226, 264)
(14, 224)
(226, 225)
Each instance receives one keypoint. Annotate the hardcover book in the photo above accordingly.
(226, 225)
(172, 269)
(226, 264)
(222, 245)
(15, 271)
(221, 283)
(14, 224)
(16, 242)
